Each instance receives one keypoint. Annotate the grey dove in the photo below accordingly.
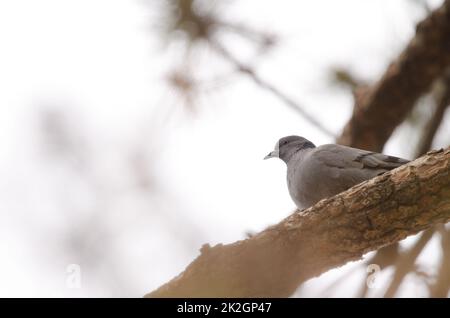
(315, 173)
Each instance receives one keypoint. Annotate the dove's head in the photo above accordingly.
(286, 147)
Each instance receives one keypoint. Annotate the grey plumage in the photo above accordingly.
(315, 173)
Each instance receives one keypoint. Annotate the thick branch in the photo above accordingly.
(381, 108)
(333, 232)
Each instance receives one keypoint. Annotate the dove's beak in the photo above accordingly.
(273, 154)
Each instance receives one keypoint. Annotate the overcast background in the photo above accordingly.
(105, 164)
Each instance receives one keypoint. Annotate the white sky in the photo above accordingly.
(100, 61)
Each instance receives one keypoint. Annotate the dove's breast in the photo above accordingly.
(310, 181)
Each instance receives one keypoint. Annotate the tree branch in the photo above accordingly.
(336, 230)
(407, 261)
(442, 102)
(442, 284)
(288, 101)
(382, 107)
(385, 257)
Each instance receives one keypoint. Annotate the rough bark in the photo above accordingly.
(336, 230)
(379, 109)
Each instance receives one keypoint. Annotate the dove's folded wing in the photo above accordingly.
(346, 157)
(380, 161)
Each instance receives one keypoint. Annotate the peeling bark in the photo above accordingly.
(379, 109)
(331, 233)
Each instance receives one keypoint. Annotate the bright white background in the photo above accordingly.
(103, 64)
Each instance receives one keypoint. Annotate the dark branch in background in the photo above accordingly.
(442, 102)
(383, 106)
(341, 76)
(385, 257)
(263, 39)
(291, 103)
(204, 26)
(333, 232)
(442, 283)
(406, 262)
(389, 255)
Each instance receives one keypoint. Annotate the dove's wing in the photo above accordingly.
(379, 161)
(342, 157)
(344, 167)
(330, 169)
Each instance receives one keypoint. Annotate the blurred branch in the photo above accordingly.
(389, 255)
(442, 102)
(422, 4)
(406, 262)
(288, 101)
(183, 16)
(265, 40)
(344, 77)
(384, 257)
(337, 230)
(383, 106)
(441, 286)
